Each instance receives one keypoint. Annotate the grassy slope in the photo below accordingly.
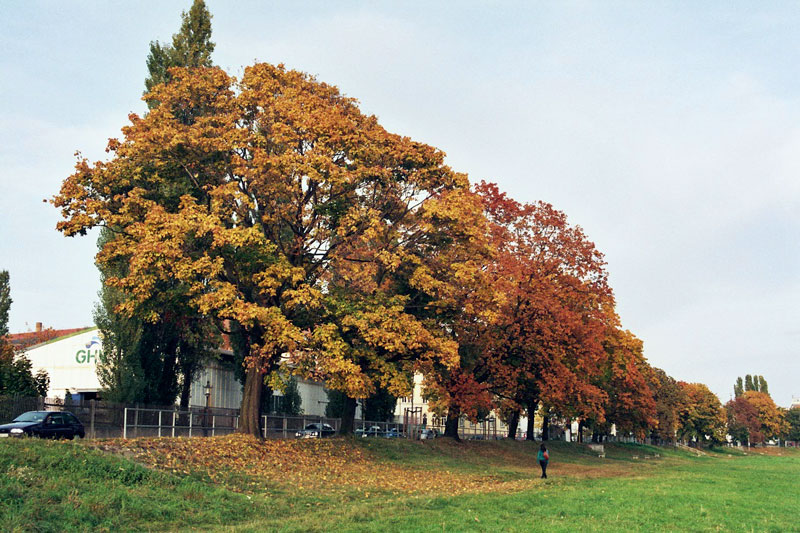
(446, 486)
(48, 486)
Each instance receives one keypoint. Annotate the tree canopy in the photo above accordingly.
(272, 209)
(282, 178)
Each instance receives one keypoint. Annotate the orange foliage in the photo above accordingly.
(293, 191)
(546, 343)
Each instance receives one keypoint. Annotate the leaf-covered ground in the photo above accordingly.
(363, 465)
(240, 484)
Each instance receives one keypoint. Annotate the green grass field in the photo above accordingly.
(389, 485)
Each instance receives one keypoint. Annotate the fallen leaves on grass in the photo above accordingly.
(248, 464)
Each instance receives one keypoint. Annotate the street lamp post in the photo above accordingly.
(207, 391)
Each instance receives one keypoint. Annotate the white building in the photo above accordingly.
(70, 361)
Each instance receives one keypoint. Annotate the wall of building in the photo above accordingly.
(71, 362)
(226, 390)
(313, 398)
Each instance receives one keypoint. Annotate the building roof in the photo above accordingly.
(23, 341)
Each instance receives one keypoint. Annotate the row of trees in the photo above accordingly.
(270, 210)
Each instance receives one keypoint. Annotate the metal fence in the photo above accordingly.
(111, 420)
(170, 422)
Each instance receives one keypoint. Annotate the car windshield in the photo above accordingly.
(31, 416)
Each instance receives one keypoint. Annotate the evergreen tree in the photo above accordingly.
(748, 383)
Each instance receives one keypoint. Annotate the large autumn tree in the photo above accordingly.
(546, 341)
(284, 177)
(392, 296)
(625, 377)
(701, 417)
(743, 423)
(670, 398)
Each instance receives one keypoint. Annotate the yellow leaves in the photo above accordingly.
(256, 200)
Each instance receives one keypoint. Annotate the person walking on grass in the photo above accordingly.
(543, 457)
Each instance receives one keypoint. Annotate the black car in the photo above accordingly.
(49, 424)
(315, 431)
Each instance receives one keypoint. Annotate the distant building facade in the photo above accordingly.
(70, 359)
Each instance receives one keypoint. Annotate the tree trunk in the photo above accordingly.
(545, 426)
(513, 424)
(532, 406)
(580, 431)
(186, 389)
(451, 425)
(165, 395)
(249, 416)
(348, 416)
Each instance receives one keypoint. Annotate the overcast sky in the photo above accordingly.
(670, 133)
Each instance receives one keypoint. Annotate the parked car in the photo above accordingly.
(47, 424)
(428, 433)
(393, 433)
(373, 431)
(315, 431)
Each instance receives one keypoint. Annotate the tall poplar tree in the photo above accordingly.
(191, 47)
(5, 302)
(151, 361)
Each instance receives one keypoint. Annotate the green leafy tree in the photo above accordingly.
(336, 403)
(16, 376)
(379, 407)
(762, 385)
(793, 424)
(289, 403)
(755, 383)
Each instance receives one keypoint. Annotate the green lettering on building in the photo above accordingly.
(89, 356)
